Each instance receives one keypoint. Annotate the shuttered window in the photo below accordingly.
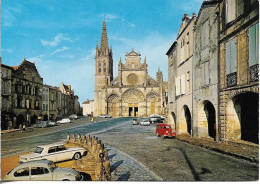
(183, 84)
(178, 86)
(231, 56)
(230, 10)
(254, 45)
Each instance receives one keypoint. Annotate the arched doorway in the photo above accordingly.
(20, 120)
(246, 107)
(113, 105)
(211, 119)
(187, 118)
(34, 119)
(45, 117)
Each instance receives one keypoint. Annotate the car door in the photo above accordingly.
(21, 174)
(51, 155)
(40, 174)
(63, 153)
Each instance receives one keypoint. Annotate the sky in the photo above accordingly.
(60, 36)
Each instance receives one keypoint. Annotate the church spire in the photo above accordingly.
(97, 50)
(104, 42)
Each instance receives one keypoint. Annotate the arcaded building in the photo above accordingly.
(133, 92)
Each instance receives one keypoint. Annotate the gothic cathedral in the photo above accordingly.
(133, 92)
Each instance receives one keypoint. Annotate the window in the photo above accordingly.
(231, 62)
(34, 91)
(43, 107)
(178, 86)
(46, 106)
(105, 67)
(39, 170)
(254, 52)
(230, 10)
(52, 149)
(23, 103)
(4, 72)
(5, 86)
(52, 96)
(183, 84)
(99, 67)
(22, 172)
(4, 104)
(61, 148)
(27, 104)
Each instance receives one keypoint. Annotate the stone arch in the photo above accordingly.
(34, 119)
(45, 117)
(242, 117)
(113, 106)
(207, 120)
(184, 123)
(172, 120)
(152, 94)
(132, 95)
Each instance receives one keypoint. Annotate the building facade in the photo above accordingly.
(133, 92)
(205, 71)
(239, 66)
(88, 108)
(26, 90)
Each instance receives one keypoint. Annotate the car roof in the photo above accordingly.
(51, 145)
(37, 163)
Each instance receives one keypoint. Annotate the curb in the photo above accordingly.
(251, 159)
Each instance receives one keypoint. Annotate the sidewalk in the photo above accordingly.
(9, 131)
(239, 149)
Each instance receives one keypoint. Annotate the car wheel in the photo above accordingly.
(65, 180)
(76, 156)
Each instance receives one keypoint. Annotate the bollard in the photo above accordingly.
(79, 138)
(84, 139)
(73, 137)
(68, 138)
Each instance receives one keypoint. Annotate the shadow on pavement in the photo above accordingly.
(86, 176)
(124, 177)
(111, 156)
(115, 165)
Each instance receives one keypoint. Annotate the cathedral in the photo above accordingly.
(133, 93)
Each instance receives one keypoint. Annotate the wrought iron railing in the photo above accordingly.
(232, 79)
(254, 75)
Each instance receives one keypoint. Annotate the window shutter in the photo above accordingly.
(230, 10)
(178, 86)
(252, 46)
(233, 59)
(228, 53)
(183, 82)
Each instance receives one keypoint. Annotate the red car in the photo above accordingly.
(164, 130)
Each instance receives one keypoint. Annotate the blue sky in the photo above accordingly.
(60, 36)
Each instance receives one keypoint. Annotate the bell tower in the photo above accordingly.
(103, 72)
(104, 62)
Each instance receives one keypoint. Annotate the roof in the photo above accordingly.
(209, 2)
(171, 48)
(53, 144)
(163, 124)
(6, 66)
(133, 53)
(34, 162)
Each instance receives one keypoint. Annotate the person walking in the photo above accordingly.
(24, 128)
(20, 128)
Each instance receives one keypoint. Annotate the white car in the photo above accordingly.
(73, 116)
(44, 170)
(145, 122)
(54, 152)
(53, 123)
(65, 120)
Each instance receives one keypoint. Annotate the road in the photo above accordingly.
(136, 154)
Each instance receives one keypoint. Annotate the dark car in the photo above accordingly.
(155, 119)
(164, 130)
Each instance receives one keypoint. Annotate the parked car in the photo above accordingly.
(164, 130)
(42, 170)
(135, 121)
(54, 152)
(155, 118)
(65, 120)
(108, 116)
(104, 116)
(41, 124)
(73, 116)
(145, 122)
(54, 123)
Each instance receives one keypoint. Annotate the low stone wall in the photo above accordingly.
(96, 162)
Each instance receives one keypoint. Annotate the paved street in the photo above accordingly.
(136, 154)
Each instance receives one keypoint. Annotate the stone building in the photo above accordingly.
(133, 92)
(239, 62)
(76, 105)
(205, 71)
(6, 97)
(49, 102)
(181, 71)
(26, 90)
(88, 108)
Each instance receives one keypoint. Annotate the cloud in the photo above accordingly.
(7, 50)
(60, 50)
(58, 38)
(108, 17)
(9, 15)
(36, 59)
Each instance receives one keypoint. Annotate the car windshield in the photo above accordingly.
(52, 165)
(38, 150)
(144, 120)
(166, 127)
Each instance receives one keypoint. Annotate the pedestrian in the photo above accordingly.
(24, 128)
(20, 128)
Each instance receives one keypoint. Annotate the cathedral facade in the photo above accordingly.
(133, 92)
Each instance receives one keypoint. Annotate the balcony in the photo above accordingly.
(254, 73)
(232, 79)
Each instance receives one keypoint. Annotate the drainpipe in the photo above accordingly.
(218, 60)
